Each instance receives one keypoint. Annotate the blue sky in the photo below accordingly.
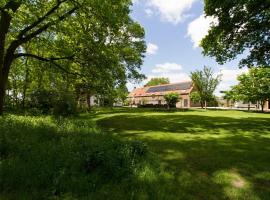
(173, 30)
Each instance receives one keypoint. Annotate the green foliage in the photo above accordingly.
(241, 26)
(64, 104)
(158, 81)
(195, 97)
(94, 44)
(237, 94)
(42, 100)
(253, 86)
(205, 83)
(172, 99)
(46, 158)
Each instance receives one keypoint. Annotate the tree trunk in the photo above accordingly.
(88, 100)
(5, 53)
(248, 106)
(201, 104)
(25, 85)
(3, 83)
(2, 96)
(262, 106)
(205, 105)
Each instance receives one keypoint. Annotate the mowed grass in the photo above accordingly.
(190, 155)
(204, 154)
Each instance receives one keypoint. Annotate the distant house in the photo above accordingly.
(267, 106)
(154, 95)
(243, 105)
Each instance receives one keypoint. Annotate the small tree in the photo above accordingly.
(196, 98)
(205, 83)
(172, 99)
(255, 85)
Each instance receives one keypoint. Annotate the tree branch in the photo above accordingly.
(46, 26)
(51, 60)
(41, 19)
(35, 56)
(5, 21)
(16, 43)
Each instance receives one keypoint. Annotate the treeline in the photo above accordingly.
(57, 54)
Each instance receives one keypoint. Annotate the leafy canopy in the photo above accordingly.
(255, 85)
(95, 41)
(243, 26)
(158, 81)
(205, 83)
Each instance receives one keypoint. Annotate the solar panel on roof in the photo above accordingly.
(172, 87)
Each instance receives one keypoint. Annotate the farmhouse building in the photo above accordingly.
(154, 95)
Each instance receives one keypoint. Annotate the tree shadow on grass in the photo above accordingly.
(191, 124)
(207, 157)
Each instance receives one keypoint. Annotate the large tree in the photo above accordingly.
(87, 38)
(242, 26)
(205, 82)
(158, 81)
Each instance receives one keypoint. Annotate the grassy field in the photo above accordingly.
(204, 154)
(190, 155)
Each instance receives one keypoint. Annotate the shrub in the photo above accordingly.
(64, 104)
(172, 99)
(42, 100)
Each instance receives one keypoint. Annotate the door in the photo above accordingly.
(185, 103)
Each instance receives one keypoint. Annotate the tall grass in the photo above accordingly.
(57, 158)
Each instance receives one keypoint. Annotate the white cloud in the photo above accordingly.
(173, 71)
(231, 74)
(173, 77)
(173, 11)
(198, 29)
(135, 1)
(229, 78)
(151, 49)
(166, 68)
(149, 12)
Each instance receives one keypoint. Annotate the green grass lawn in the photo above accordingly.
(204, 154)
(190, 155)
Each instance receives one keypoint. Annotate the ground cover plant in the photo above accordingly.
(57, 158)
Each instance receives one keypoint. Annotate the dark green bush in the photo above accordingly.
(64, 104)
(42, 100)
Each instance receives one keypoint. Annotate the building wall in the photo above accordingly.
(267, 106)
(155, 100)
(184, 102)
